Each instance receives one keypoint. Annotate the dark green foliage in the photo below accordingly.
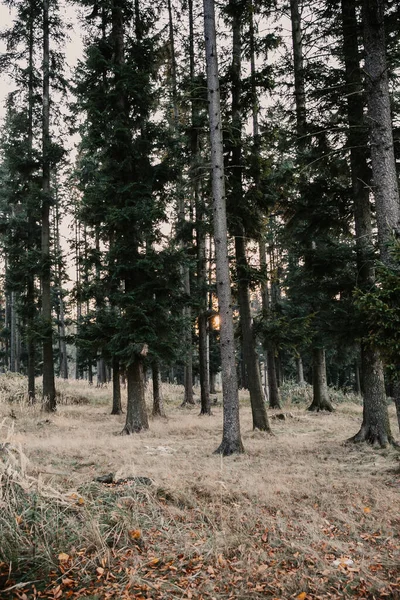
(380, 310)
(123, 172)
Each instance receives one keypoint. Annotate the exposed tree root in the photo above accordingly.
(323, 406)
(229, 447)
(373, 436)
(129, 430)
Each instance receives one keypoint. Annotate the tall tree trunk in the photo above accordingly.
(78, 295)
(61, 315)
(116, 399)
(373, 387)
(187, 311)
(257, 399)
(30, 286)
(49, 390)
(320, 389)
(385, 184)
(158, 400)
(231, 438)
(270, 367)
(136, 413)
(200, 231)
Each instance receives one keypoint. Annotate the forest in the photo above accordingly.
(199, 235)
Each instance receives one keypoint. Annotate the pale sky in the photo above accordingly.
(73, 47)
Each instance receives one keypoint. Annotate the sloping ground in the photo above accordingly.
(300, 515)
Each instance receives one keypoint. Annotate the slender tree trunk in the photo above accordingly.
(250, 357)
(13, 333)
(231, 438)
(61, 315)
(213, 377)
(30, 286)
(273, 390)
(101, 372)
(136, 413)
(320, 389)
(158, 400)
(299, 371)
(116, 403)
(63, 345)
(257, 398)
(187, 311)
(373, 387)
(200, 231)
(396, 396)
(49, 390)
(78, 295)
(7, 320)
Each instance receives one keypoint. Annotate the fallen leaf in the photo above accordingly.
(135, 534)
(302, 596)
(62, 557)
(367, 509)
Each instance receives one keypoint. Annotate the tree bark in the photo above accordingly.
(375, 427)
(320, 389)
(250, 357)
(30, 287)
(273, 389)
(63, 358)
(49, 390)
(187, 311)
(231, 438)
(372, 383)
(385, 184)
(299, 371)
(257, 398)
(158, 400)
(136, 413)
(13, 333)
(396, 397)
(200, 231)
(116, 400)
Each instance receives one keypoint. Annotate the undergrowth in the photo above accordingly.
(299, 515)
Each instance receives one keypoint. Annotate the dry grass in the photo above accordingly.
(269, 523)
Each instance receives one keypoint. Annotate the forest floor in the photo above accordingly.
(300, 515)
